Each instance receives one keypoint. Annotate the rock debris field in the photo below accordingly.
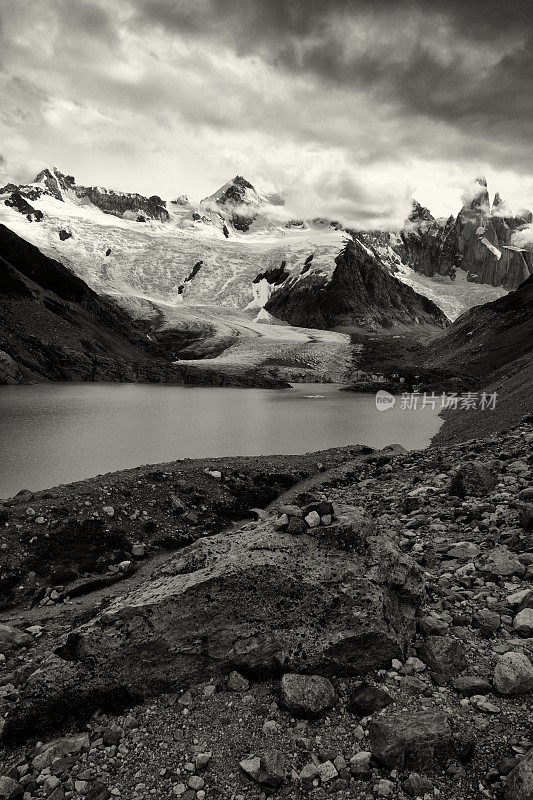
(369, 634)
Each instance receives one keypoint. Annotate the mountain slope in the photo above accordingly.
(53, 326)
(360, 293)
(488, 337)
(494, 345)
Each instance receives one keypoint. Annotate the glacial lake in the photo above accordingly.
(62, 432)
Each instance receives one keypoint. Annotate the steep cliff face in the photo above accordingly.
(121, 204)
(428, 245)
(359, 293)
(484, 242)
(479, 241)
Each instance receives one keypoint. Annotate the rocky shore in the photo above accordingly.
(369, 634)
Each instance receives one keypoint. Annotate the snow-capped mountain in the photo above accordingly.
(226, 284)
(193, 255)
(148, 250)
(239, 203)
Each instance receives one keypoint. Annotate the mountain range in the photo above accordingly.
(230, 291)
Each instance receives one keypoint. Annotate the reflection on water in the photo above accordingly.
(57, 433)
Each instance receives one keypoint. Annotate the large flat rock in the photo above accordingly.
(341, 601)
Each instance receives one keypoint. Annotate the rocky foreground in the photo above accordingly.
(368, 635)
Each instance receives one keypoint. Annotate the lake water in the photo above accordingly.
(62, 432)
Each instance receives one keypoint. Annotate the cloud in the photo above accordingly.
(523, 237)
(350, 105)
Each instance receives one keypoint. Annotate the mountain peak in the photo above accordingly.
(238, 180)
(238, 191)
(476, 197)
(55, 181)
(500, 207)
(419, 213)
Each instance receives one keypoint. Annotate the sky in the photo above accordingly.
(350, 107)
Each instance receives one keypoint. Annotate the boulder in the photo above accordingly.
(519, 784)
(237, 682)
(523, 622)
(12, 639)
(513, 674)
(312, 519)
(443, 655)
(367, 698)
(258, 601)
(9, 788)
(417, 785)
(472, 478)
(296, 525)
(98, 791)
(268, 770)
(291, 511)
(306, 695)
(469, 685)
(360, 762)
(499, 563)
(417, 741)
(69, 745)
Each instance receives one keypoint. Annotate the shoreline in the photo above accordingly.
(59, 535)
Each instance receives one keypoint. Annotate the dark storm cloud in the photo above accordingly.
(469, 64)
(264, 20)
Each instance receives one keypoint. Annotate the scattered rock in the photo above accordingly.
(412, 741)
(268, 770)
(443, 655)
(417, 785)
(513, 674)
(367, 698)
(360, 763)
(474, 479)
(306, 695)
(327, 771)
(237, 683)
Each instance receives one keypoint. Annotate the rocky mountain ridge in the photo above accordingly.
(121, 204)
(480, 241)
(359, 293)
